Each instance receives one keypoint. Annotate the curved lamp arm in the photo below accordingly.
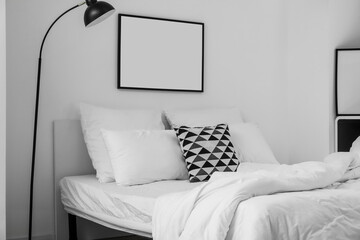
(94, 11)
(47, 32)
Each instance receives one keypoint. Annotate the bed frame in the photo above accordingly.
(70, 159)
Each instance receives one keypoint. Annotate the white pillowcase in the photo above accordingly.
(355, 146)
(250, 144)
(95, 118)
(203, 117)
(144, 156)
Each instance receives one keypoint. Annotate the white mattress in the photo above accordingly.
(122, 208)
(130, 209)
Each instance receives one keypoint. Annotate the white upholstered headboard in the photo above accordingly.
(70, 159)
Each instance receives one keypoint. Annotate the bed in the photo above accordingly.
(131, 209)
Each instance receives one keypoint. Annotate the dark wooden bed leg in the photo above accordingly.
(72, 227)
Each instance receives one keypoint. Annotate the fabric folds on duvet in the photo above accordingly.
(206, 212)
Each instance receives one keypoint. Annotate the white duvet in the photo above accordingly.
(267, 202)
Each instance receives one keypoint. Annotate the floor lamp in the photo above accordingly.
(95, 12)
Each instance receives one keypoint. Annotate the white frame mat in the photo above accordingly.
(347, 78)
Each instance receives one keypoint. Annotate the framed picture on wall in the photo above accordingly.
(347, 81)
(160, 54)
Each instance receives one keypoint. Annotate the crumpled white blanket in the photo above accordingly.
(206, 212)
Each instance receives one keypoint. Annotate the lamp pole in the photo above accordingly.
(94, 11)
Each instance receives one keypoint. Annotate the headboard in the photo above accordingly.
(347, 129)
(71, 158)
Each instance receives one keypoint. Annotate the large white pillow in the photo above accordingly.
(145, 156)
(250, 144)
(95, 118)
(203, 117)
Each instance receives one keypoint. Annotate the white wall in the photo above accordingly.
(273, 59)
(309, 78)
(314, 30)
(2, 121)
(344, 33)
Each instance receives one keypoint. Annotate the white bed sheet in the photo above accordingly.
(122, 208)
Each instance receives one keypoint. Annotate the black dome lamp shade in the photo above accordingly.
(96, 12)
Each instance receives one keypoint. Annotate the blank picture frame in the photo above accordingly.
(160, 54)
(347, 80)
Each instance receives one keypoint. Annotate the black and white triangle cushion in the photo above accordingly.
(207, 150)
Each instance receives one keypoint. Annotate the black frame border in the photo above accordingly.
(161, 19)
(336, 81)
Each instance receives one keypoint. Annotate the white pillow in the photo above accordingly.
(250, 144)
(355, 146)
(95, 118)
(145, 156)
(203, 117)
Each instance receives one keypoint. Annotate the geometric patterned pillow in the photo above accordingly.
(207, 150)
